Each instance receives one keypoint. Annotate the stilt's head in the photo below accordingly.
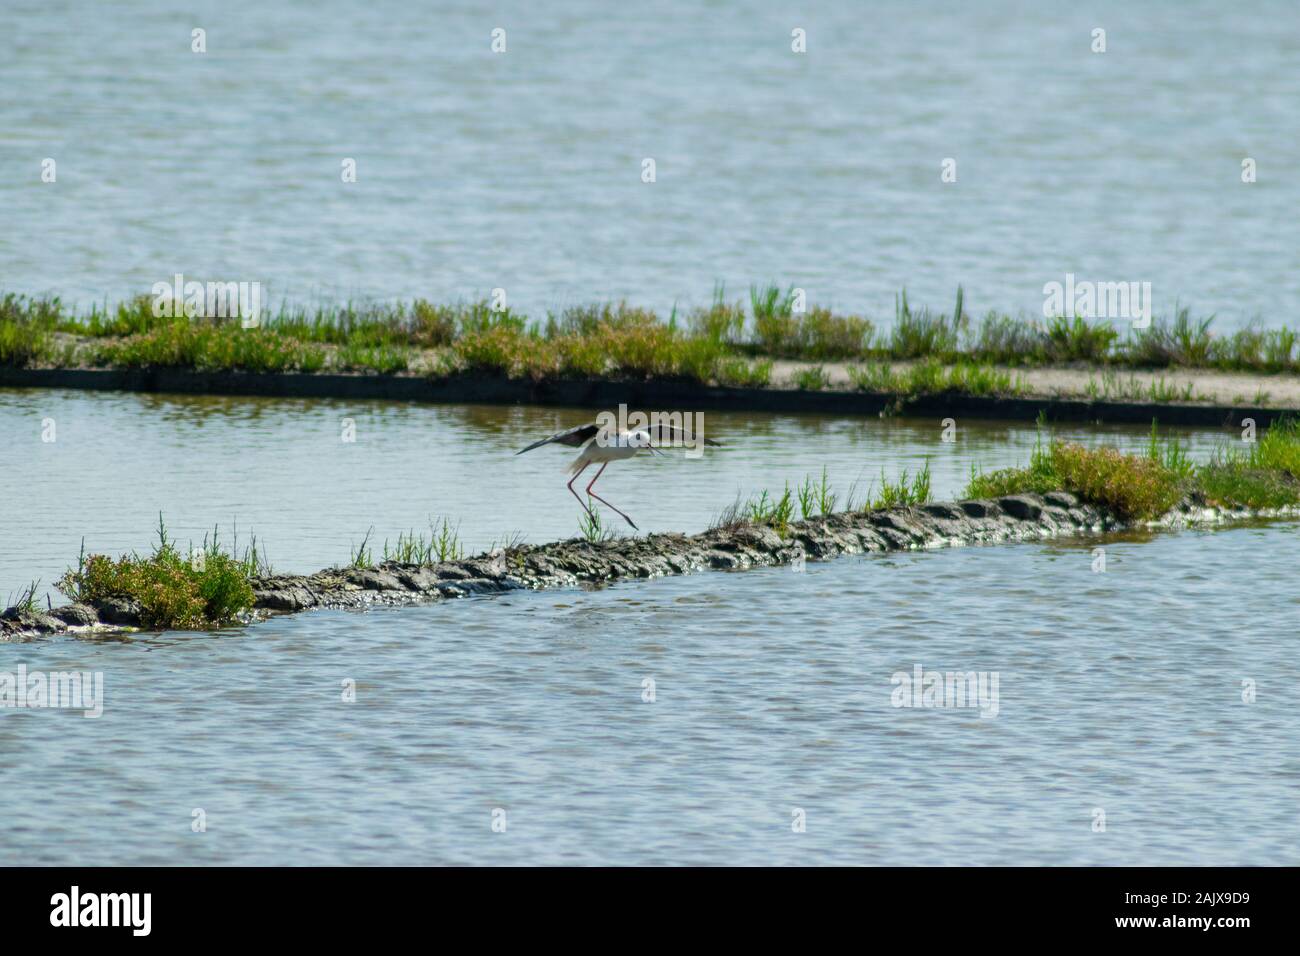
(640, 440)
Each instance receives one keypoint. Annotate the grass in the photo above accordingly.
(1230, 482)
(384, 359)
(815, 498)
(1183, 342)
(1147, 486)
(726, 343)
(932, 377)
(1078, 340)
(1112, 387)
(742, 373)
(26, 599)
(815, 335)
(442, 543)
(770, 510)
(812, 379)
(923, 334)
(211, 347)
(904, 491)
(361, 557)
(207, 586)
(591, 527)
(764, 508)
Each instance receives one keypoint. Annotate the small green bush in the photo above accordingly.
(173, 590)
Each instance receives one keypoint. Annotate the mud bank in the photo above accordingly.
(574, 563)
(655, 393)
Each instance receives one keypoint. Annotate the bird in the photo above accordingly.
(602, 444)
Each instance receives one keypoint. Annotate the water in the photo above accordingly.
(1119, 692)
(280, 470)
(522, 170)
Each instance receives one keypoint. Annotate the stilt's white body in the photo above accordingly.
(626, 445)
(601, 447)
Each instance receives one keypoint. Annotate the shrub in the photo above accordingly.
(432, 325)
(720, 322)
(173, 590)
(1129, 486)
(1230, 482)
(23, 344)
(1278, 449)
(505, 350)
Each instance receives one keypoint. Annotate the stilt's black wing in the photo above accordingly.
(574, 436)
(661, 434)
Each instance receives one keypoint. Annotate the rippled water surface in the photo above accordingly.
(522, 170)
(683, 720)
(1119, 692)
(281, 470)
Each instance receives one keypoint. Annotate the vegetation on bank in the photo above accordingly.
(441, 543)
(814, 498)
(727, 342)
(1260, 474)
(173, 589)
(211, 585)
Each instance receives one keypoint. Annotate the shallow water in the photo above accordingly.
(522, 170)
(1119, 692)
(281, 470)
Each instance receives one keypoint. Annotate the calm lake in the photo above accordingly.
(1119, 693)
(522, 170)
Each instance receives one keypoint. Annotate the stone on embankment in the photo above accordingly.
(1023, 507)
(124, 612)
(575, 562)
(21, 619)
(979, 508)
(76, 615)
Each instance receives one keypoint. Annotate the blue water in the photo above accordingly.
(1119, 691)
(522, 170)
(280, 470)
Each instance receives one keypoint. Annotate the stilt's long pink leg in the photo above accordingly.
(575, 478)
(603, 501)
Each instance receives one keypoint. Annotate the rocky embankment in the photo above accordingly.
(576, 562)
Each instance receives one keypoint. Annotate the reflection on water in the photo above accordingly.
(1118, 692)
(281, 469)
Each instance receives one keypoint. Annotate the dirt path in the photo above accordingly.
(1184, 385)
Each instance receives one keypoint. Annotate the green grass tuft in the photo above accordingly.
(208, 586)
(1142, 487)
